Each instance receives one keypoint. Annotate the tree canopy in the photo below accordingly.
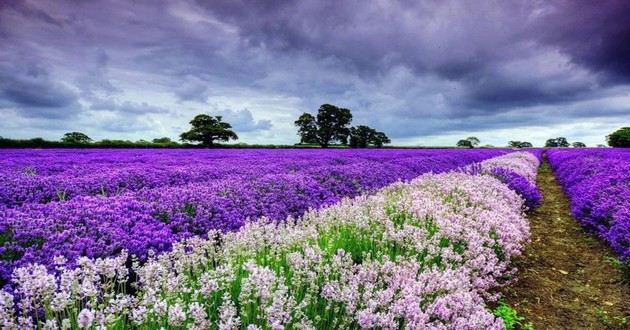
(474, 141)
(519, 144)
(578, 144)
(330, 125)
(469, 142)
(162, 140)
(465, 143)
(208, 129)
(619, 138)
(363, 136)
(307, 128)
(76, 138)
(557, 142)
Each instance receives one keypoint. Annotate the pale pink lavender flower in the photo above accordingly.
(85, 318)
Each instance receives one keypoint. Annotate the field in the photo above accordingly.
(283, 239)
(598, 184)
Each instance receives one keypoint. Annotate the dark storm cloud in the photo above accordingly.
(34, 93)
(411, 68)
(595, 33)
(471, 42)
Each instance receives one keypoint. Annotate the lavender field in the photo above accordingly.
(598, 185)
(261, 239)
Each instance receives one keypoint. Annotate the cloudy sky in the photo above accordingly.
(425, 72)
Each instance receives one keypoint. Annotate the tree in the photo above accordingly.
(551, 143)
(525, 144)
(619, 138)
(562, 142)
(363, 136)
(519, 144)
(330, 125)
(360, 136)
(464, 143)
(380, 139)
(75, 138)
(557, 142)
(207, 129)
(578, 145)
(474, 141)
(307, 128)
(163, 140)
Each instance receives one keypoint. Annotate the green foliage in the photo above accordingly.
(76, 138)
(363, 136)
(616, 322)
(464, 144)
(469, 142)
(330, 125)
(578, 145)
(162, 140)
(474, 141)
(207, 129)
(619, 138)
(510, 317)
(560, 142)
(519, 144)
(307, 128)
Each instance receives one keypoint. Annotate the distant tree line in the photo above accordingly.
(473, 141)
(70, 142)
(561, 142)
(331, 127)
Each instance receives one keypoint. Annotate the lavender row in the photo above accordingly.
(152, 219)
(428, 254)
(41, 176)
(598, 184)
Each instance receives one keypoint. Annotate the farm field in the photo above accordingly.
(236, 248)
(97, 203)
(567, 275)
(314, 165)
(597, 183)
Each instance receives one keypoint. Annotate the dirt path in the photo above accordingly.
(565, 281)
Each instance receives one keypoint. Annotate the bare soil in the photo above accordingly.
(565, 279)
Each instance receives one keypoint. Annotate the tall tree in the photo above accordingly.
(562, 142)
(380, 139)
(551, 143)
(474, 141)
(464, 143)
(307, 128)
(76, 138)
(557, 142)
(207, 129)
(330, 125)
(619, 138)
(360, 136)
(363, 136)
